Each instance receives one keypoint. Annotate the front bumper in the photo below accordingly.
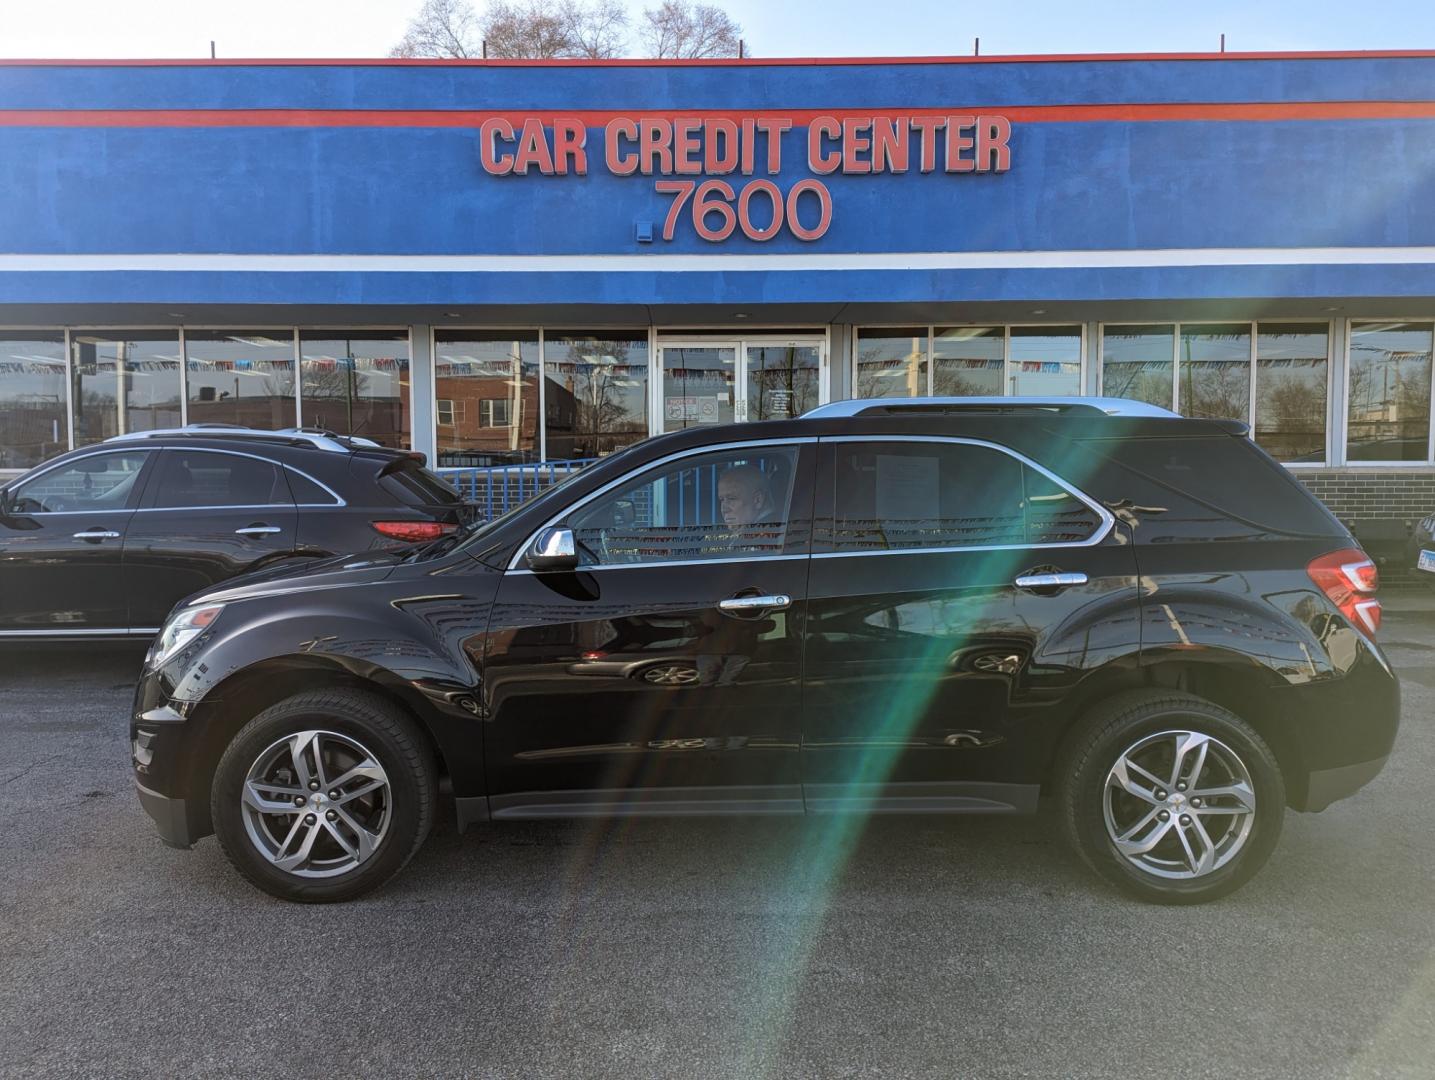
(171, 816)
(1326, 786)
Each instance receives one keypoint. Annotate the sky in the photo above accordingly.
(368, 28)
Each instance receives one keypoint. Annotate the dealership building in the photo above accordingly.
(513, 262)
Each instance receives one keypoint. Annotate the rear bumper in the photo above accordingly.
(1326, 786)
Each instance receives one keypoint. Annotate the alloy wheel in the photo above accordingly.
(316, 804)
(1179, 805)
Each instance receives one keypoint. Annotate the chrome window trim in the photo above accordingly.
(1108, 520)
(61, 631)
(677, 455)
(246, 506)
(675, 562)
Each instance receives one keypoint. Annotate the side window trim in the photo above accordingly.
(827, 461)
(334, 495)
(515, 563)
(141, 481)
(153, 497)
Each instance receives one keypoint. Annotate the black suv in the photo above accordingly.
(101, 542)
(916, 607)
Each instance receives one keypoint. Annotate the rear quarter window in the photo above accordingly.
(1227, 473)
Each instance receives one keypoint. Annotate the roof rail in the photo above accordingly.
(293, 436)
(1101, 406)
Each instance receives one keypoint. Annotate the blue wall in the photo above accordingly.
(1073, 186)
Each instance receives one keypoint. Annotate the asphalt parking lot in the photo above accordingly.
(968, 947)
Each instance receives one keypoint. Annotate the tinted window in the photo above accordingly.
(191, 479)
(891, 496)
(306, 492)
(411, 483)
(94, 482)
(724, 505)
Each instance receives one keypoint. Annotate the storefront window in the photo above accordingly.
(33, 426)
(243, 377)
(1136, 363)
(1216, 371)
(1389, 418)
(487, 389)
(1291, 363)
(1046, 360)
(891, 363)
(595, 392)
(357, 383)
(968, 360)
(124, 380)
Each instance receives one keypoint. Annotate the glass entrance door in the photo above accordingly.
(783, 379)
(722, 381)
(699, 384)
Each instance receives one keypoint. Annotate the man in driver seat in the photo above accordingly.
(749, 510)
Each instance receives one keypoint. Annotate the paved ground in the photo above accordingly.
(939, 948)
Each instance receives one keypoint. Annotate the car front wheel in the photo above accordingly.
(324, 796)
(1170, 797)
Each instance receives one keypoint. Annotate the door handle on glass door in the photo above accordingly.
(744, 605)
(257, 530)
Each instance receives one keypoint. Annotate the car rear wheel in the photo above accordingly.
(324, 796)
(1170, 797)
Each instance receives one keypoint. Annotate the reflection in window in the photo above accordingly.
(100, 481)
(892, 363)
(144, 362)
(357, 383)
(727, 504)
(1389, 417)
(243, 377)
(781, 381)
(968, 360)
(1046, 360)
(487, 384)
(1216, 371)
(595, 392)
(33, 425)
(891, 496)
(1290, 390)
(1136, 363)
(697, 385)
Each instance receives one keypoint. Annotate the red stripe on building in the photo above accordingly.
(441, 118)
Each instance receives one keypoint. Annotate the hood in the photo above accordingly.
(303, 575)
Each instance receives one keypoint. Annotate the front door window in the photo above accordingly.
(783, 381)
(698, 385)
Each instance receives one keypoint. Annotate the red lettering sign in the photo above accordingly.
(712, 147)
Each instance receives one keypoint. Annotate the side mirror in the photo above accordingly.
(553, 549)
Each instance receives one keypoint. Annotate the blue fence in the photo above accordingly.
(499, 489)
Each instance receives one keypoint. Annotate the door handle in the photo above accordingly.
(1050, 581)
(97, 534)
(257, 530)
(746, 605)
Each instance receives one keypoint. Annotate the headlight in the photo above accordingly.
(182, 628)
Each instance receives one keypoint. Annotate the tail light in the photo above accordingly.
(410, 531)
(1350, 579)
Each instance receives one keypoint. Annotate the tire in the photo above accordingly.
(385, 805)
(1150, 730)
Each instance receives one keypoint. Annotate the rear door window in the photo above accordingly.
(894, 496)
(192, 479)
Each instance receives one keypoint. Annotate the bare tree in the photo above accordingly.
(526, 30)
(683, 30)
(597, 30)
(442, 28)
